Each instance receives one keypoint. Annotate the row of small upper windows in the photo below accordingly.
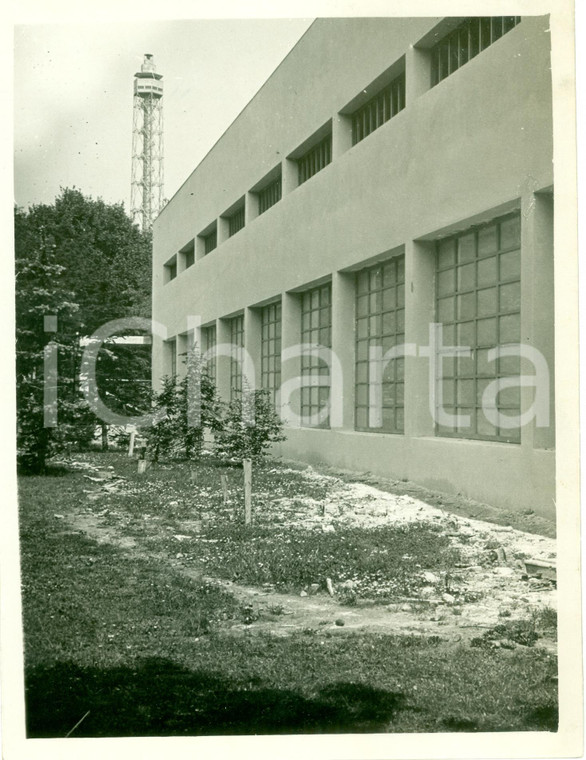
(451, 52)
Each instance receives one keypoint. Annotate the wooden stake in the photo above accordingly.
(142, 466)
(131, 445)
(247, 491)
(224, 479)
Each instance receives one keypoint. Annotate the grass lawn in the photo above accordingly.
(125, 635)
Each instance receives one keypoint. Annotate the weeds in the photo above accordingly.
(546, 620)
(373, 560)
(520, 632)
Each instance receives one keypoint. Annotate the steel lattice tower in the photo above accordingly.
(147, 145)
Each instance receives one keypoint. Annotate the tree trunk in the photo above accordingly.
(104, 436)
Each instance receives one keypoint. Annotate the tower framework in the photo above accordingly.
(147, 145)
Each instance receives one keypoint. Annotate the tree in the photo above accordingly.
(40, 294)
(189, 406)
(85, 262)
(107, 262)
(107, 259)
(250, 426)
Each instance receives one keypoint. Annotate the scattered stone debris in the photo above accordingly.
(540, 569)
(501, 573)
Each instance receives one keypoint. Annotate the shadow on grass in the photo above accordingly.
(545, 717)
(50, 471)
(160, 698)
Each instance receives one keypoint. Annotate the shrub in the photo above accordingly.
(188, 406)
(250, 426)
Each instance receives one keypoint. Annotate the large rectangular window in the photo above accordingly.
(316, 329)
(471, 37)
(380, 326)
(379, 109)
(269, 195)
(478, 302)
(271, 348)
(237, 341)
(208, 348)
(316, 159)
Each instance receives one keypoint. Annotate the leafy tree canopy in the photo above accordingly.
(106, 258)
(85, 262)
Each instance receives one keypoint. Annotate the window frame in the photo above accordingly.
(470, 38)
(315, 301)
(456, 370)
(271, 324)
(237, 344)
(379, 109)
(369, 319)
(170, 270)
(313, 160)
(210, 241)
(209, 343)
(270, 195)
(236, 221)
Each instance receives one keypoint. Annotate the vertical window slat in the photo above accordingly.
(316, 159)
(379, 109)
(269, 195)
(472, 37)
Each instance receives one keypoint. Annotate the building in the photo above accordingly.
(390, 175)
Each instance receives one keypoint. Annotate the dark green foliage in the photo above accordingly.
(546, 620)
(187, 407)
(41, 291)
(123, 378)
(250, 426)
(243, 429)
(106, 258)
(84, 262)
(521, 632)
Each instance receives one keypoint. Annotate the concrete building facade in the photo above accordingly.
(391, 175)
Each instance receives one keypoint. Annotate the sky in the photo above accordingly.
(73, 96)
